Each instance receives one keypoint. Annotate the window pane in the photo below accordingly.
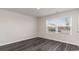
(62, 24)
(51, 26)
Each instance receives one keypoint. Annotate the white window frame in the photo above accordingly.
(70, 32)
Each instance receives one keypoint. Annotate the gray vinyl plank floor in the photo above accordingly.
(39, 44)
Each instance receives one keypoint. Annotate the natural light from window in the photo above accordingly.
(62, 24)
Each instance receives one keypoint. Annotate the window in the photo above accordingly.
(78, 24)
(59, 25)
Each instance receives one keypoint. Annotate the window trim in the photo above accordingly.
(70, 32)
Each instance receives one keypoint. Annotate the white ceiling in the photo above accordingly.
(38, 13)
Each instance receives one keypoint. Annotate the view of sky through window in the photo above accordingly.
(60, 21)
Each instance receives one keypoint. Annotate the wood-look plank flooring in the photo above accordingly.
(39, 44)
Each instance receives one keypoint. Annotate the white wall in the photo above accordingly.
(72, 39)
(16, 27)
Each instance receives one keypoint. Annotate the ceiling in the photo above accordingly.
(38, 12)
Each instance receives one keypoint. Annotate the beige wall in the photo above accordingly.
(68, 38)
(16, 27)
